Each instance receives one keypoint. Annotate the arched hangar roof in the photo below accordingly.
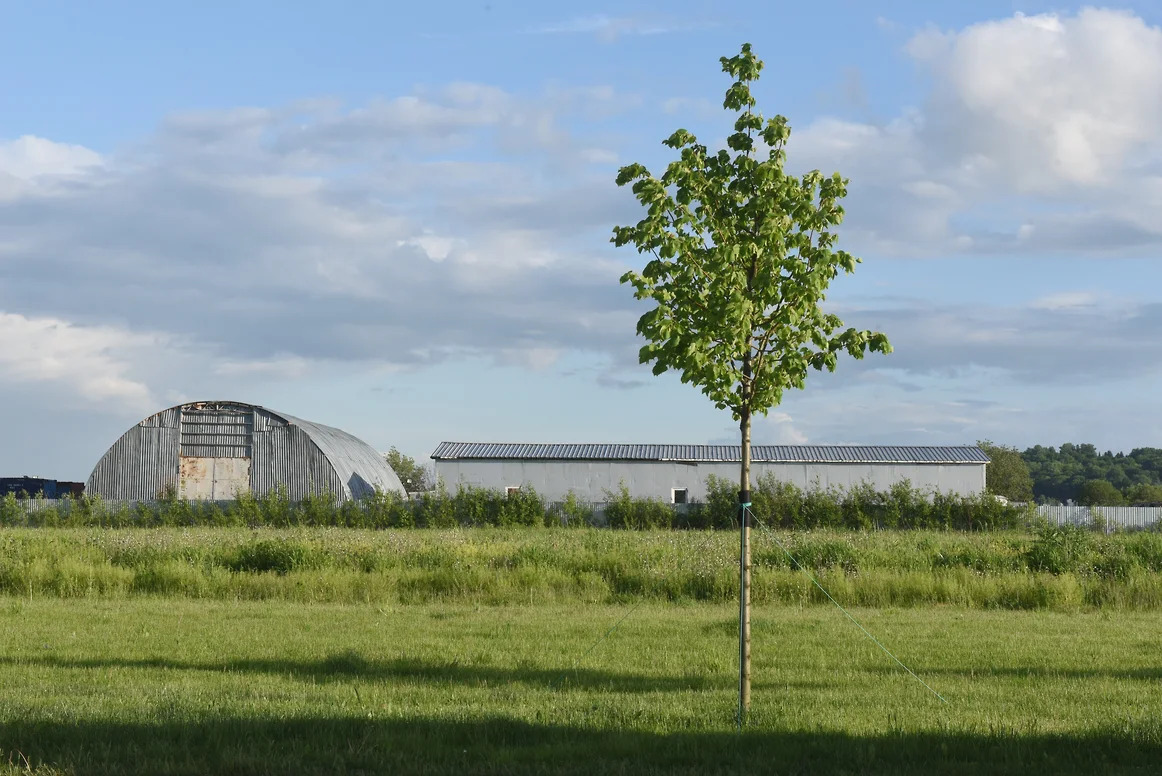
(350, 455)
(148, 455)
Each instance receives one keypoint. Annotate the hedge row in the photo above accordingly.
(777, 504)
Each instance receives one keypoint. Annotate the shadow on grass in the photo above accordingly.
(1146, 674)
(351, 666)
(365, 744)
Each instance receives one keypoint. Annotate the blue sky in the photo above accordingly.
(396, 219)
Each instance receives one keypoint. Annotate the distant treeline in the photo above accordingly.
(776, 504)
(1078, 472)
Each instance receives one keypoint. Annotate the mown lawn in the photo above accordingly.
(175, 685)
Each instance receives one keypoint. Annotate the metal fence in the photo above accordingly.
(1114, 517)
(30, 505)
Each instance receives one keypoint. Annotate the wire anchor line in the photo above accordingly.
(846, 613)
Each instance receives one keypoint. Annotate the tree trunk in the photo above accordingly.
(744, 574)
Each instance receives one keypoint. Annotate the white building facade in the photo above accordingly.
(678, 473)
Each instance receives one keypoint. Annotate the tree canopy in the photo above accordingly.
(741, 255)
(1059, 473)
(1007, 473)
(415, 478)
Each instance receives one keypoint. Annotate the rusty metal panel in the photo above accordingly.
(197, 478)
(231, 477)
(218, 479)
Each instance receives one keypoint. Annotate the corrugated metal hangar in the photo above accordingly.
(677, 473)
(213, 449)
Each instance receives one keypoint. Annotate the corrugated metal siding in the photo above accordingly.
(357, 463)
(139, 465)
(287, 456)
(170, 418)
(222, 431)
(695, 453)
(1120, 517)
(306, 457)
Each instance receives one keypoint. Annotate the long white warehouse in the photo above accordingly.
(678, 473)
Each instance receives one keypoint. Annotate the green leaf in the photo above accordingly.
(741, 258)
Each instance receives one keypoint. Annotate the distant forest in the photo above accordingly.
(1081, 474)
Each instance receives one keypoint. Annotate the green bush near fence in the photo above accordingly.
(777, 504)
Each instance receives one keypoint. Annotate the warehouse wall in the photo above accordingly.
(656, 479)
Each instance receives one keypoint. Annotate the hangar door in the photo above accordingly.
(215, 451)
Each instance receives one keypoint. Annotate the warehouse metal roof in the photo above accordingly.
(703, 453)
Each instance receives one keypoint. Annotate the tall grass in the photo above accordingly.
(1006, 570)
(782, 504)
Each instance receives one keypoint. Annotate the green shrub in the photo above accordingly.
(1145, 548)
(280, 556)
(862, 506)
(382, 509)
(570, 513)
(624, 511)
(782, 501)
(1060, 549)
(472, 506)
(434, 510)
(11, 512)
(821, 508)
(522, 507)
(721, 508)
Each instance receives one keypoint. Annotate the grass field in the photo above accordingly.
(1068, 571)
(477, 651)
(155, 685)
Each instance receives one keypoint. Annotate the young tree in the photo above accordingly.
(741, 254)
(415, 478)
(1099, 493)
(1007, 474)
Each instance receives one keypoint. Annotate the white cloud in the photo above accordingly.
(1053, 99)
(1059, 337)
(329, 237)
(29, 157)
(92, 361)
(1052, 118)
(1067, 300)
(777, 428)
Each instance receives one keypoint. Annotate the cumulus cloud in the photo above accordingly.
(1050, 118)
(274, 239)
(90, 361)
(1080, 337)
(29, 157)
(464, 221)
(777, 428)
